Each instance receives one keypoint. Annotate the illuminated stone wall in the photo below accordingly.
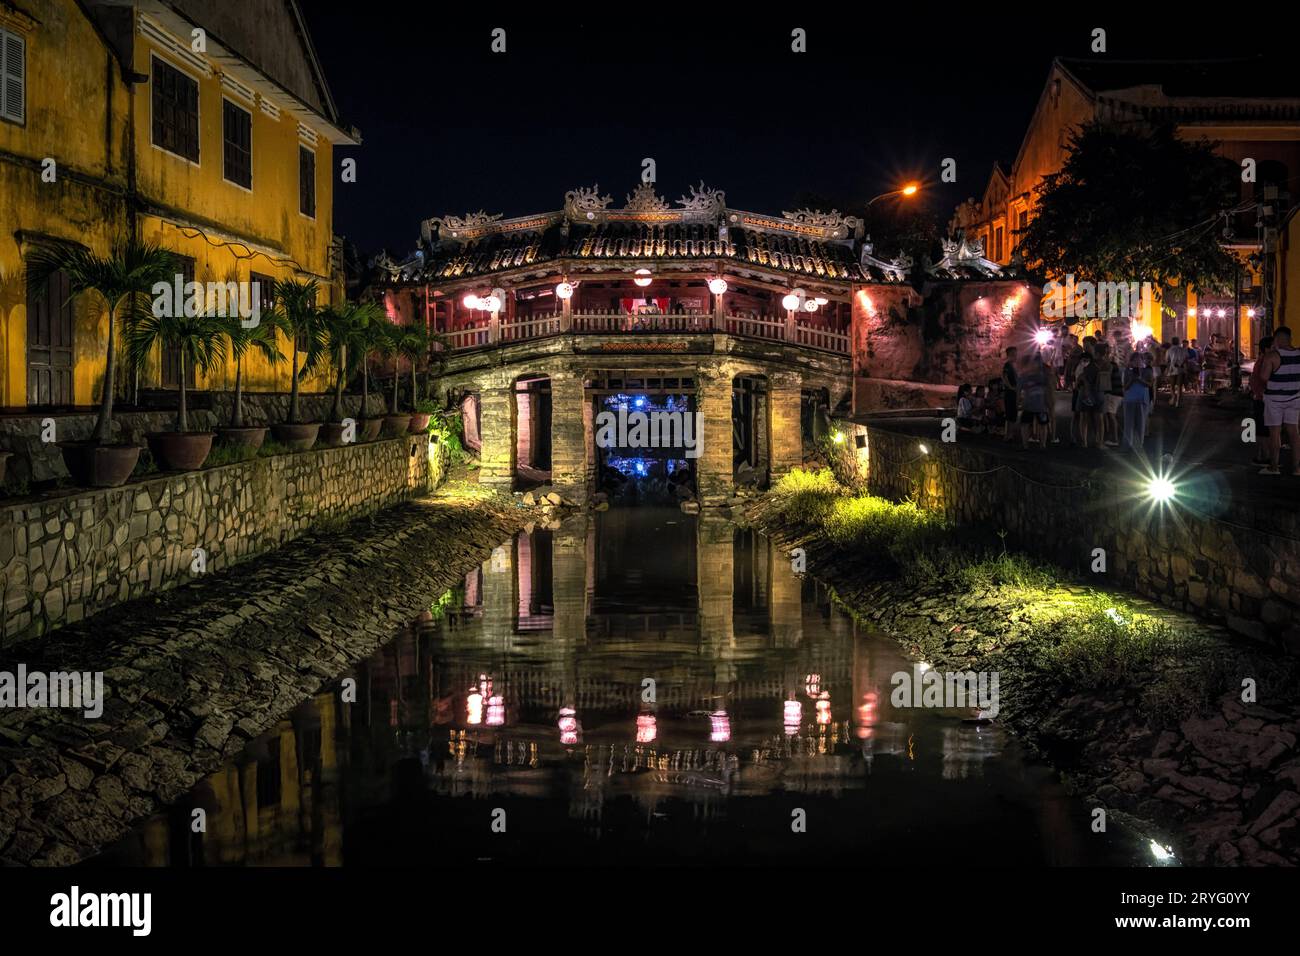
(64, 558)
(1224, 557)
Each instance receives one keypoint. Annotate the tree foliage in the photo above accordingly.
(1133, 205)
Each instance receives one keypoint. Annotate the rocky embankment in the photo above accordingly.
(1221, 786)
(190, 677)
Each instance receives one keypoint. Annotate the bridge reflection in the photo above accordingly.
(583, 669)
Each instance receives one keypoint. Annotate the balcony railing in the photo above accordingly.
(766, 328)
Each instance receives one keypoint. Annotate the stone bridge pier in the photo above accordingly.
(537, 415)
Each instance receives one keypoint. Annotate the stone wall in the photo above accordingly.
(68, 556)
(945, 333)
(1227, 557)
(38, 461)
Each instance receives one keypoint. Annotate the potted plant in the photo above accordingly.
(200, 342)
(345, 335)
(125, 280)
(242, 339)
(413, 345)
(395, 422)
(296, 302)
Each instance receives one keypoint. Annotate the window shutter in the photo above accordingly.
(12, 77)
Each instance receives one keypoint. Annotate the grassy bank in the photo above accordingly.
(1058, 636)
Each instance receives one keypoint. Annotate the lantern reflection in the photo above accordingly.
(792, 717)
(719, 727)
(824, 708)
(646, 728)
(496, 711)
(474, 708)
(568, 725)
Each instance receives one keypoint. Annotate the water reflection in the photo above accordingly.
(638, 682)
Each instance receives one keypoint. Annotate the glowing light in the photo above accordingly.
(718, 286)
(813, 684)
(639, 402)
(647, 728)
(838, 438)
(474, 708)
(1140, 330)
(1192, 311)
(1250, 313)
(564, 290)
(490, 303)
(719, 727)
(470, 301)
(1162, 853)
(1043, 336)
(810, 305)
(643, 277)
(1221, 313)
(911, 189)
(568, 725)
(1161, 489)
(925, 449)
(791, 301)
(496, 711)
(821, 301)
(792, 717)
(824, 708)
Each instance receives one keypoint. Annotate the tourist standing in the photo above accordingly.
(1137, 401)
(1257, 398)
(1176, 368)
(1010, 389)
(1282, 400)
(1033, 404)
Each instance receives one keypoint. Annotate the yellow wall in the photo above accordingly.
(78, 112)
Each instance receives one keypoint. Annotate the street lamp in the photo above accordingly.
(911, 189)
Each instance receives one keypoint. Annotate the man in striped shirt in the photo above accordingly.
(1281, 375)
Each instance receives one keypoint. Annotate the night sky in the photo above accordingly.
(448, 127)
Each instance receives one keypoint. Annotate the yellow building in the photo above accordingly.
(1235, 103)
(202, 126)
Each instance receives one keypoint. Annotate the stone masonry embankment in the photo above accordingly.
(1222, 787)
(66, 556)
(192, 675)
(1220, 551)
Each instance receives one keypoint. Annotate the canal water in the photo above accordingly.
(639, 686)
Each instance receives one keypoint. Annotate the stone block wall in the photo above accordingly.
(64, 557)
(1220, 554)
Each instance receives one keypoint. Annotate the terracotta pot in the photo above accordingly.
(99, 466)
(297, 437)
(395, 425)
(180, 451)
(370, 428)
(249, 439)
(419, 422)
(331, 434)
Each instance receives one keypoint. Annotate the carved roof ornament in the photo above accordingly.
(962, 253)
(703, 200)
(453, 226)
(895, 269)
(586, 202)
(644, 199)
(837, 225)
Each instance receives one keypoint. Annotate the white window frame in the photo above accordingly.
(5, 37)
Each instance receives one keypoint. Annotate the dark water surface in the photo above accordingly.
(522, 698)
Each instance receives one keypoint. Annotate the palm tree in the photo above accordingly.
(296, 300)
(243, 339)
(373, 339)
(413, 345)
(199, 339)
(347, 328)
(125, 280)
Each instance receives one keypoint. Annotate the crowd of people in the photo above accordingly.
(1114, 382)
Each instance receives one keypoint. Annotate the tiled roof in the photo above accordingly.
(631, 241)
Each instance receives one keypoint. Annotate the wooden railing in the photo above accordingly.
(766, 328)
